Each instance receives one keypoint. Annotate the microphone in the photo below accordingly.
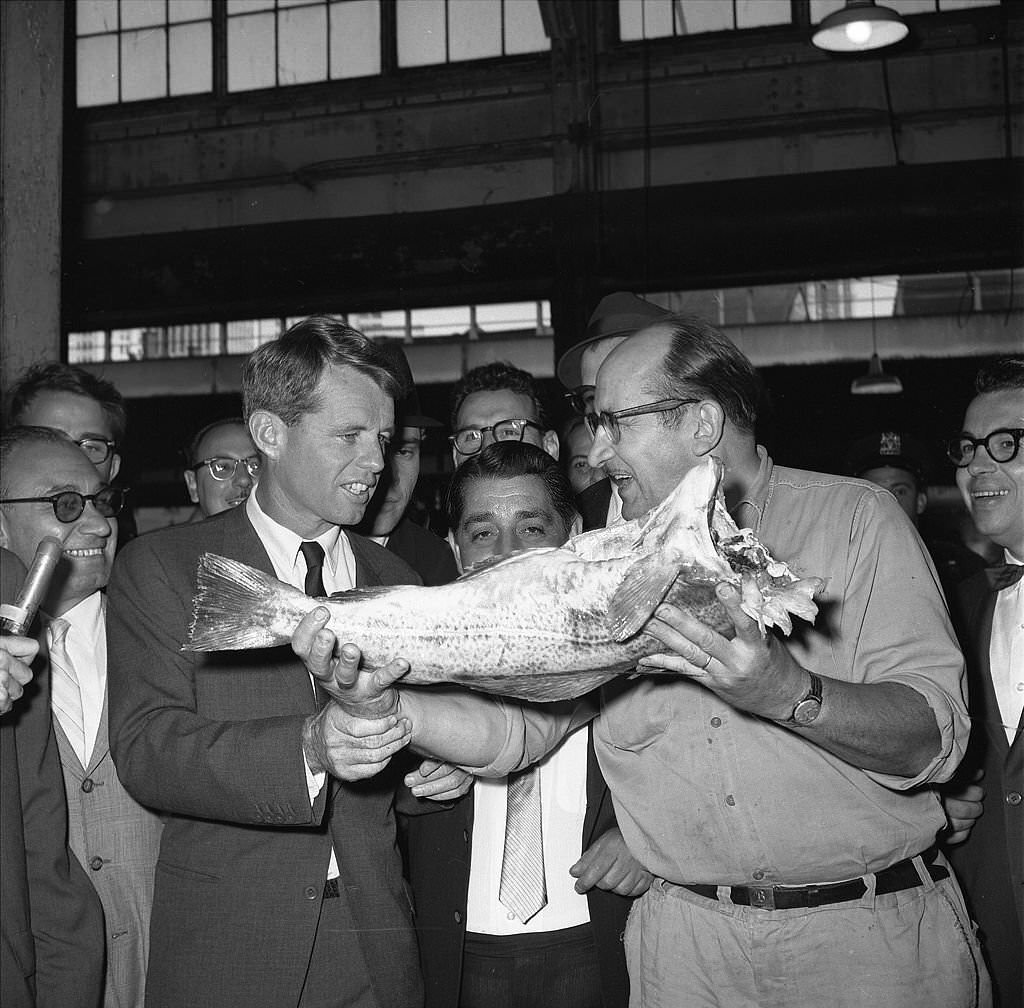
(17, 618)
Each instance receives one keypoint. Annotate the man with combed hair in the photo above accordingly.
(222, 467)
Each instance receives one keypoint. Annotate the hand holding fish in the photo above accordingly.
(441, 782)
(608, 864)
(352, 748)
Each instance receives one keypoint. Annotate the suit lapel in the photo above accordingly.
(987, 705)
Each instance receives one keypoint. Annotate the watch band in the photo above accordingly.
(808, 707)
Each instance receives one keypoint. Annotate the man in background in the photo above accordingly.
(223, 466)
(51, 488)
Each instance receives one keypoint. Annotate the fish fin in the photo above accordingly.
(238, 607)
(645, 585)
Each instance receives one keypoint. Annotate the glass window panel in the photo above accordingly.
(377, 325)
(96, 71)
(95, 16)
(143, 64)
(524, 28)
(188, 10)
(87, 347)
(439, 322)
(127, 344)
(298, 3)
(244, 336)
(752, 13)
(251, 61)
(630, 20)
(912, 6)
(249, 6)
(191, 58)
(142, 13)
(822, 8)
(696, 16)
(947, 5)
(508, 317)
(355, 38)
(654, 18)
(474, 29)
(421, 32)
(302, 45)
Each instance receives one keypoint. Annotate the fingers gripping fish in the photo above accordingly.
(547, 624)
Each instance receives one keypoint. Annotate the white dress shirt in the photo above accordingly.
(1006, 653)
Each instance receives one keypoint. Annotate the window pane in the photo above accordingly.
(191, 58)
(142, 13)
(946, 5)
(249, 6)
(518, 316)
(187, 10)
(912, 6)
(143, 64)
(822, 8)
(524, 29)
(421, 32)
(87, 347)
(302, 45)
(251, 60)
(127, 344)
(439, 322)
(94, 16)
(390, 324)
(752, 13)
(96, 71)
(696, 16)
(355, 38)
(474, 29)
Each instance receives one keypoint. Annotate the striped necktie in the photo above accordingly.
(65, 690)
(522, 888)
(313, 554)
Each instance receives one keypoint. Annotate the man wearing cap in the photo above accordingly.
(616, 316)
(897, 462)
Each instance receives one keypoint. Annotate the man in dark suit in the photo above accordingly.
(990, 861)
(279, 882)
(51, 948)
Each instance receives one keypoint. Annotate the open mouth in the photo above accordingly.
(94, 551)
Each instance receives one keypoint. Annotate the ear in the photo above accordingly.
(269, 433)
(922, 502)
(710, 426)
(550, 442)
(115, 466)
(193, 489)
(455, 549)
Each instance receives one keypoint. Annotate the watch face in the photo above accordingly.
(806, 711)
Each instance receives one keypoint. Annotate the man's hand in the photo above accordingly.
(15, 654)
(352, 748)
(963, 808)
(438, 781)
(359, 691)
(607, 864)
(752, 672)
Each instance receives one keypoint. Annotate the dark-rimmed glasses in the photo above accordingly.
(1002, 445)
(97, 450)
(608, 421)
(225, 468)
(69, 505)
(581, 398)
(470, 440)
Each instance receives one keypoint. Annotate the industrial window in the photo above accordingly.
(130, 50)
(448, 31)
(822, 8)
(649, 19)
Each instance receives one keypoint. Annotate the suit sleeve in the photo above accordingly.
(223, 752)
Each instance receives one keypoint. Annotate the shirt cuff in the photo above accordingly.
(314, 782)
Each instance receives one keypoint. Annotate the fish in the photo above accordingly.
(546, 624)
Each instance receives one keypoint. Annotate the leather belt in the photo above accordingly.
(895, 878)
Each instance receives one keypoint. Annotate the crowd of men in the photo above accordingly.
(832, 817)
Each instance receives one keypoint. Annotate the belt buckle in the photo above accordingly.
(762, 897)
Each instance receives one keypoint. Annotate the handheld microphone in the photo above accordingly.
(17, 618)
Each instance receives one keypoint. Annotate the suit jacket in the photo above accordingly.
(117, 841)
(214, 742)
(51, 946)
(424, 552)
(990, 863)
(438, 845)
(593, 504)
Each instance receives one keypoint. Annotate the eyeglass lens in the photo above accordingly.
(581, 398)
(69, 505)
(470, 440)
(1002, 446)
(225, 468)
(96, 449)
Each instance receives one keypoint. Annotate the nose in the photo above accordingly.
(508, 543)
(91, 522)
(982, 462)
(242, 479)
(600, 450)
(374, 459)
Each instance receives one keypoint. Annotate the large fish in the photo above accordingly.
(547, 624)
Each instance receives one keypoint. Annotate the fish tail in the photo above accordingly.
(237, 607)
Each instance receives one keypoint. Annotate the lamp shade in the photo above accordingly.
(876, 381)
(860, 26)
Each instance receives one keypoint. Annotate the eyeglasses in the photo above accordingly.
(225, 468)
(470, 440)
(1002, 446)
(581, 398)
(97, 450)
(609, 421)
(69, 505)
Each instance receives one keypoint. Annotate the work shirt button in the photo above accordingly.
(96, 863)
(716, 722)
(310, 892)
(87, 785)
(730, 800)
(1013, 798)
(759, 875)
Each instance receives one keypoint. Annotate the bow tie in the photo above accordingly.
(1004, 575)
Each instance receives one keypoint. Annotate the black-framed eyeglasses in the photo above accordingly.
(470, 440)
(1002, 445)
(225, 468)
(97, 450)
(581, 398)
(69, 505)
(609, 421)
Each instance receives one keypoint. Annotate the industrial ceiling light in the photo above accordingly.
(860, 26)
(876, 381)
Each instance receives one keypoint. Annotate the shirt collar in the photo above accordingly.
(282, 544)
(85, 616)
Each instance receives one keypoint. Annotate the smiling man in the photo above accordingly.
(223, 466)
(279, 883)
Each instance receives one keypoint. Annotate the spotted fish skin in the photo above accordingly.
(547, 624)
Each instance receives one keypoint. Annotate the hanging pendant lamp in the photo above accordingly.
(860, 26)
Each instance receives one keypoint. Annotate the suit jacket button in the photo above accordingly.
(1013, 798)
(87, 785)
(309, 892)
(458, 917)
(96, 863)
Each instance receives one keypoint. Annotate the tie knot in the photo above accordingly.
(57, 630)
(312, 553)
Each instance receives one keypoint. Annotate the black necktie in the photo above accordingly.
(1004, 575)
(313, 554)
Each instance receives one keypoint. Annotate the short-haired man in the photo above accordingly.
(989, 458)
(780, 791)
(223, 466)
(279, 883)
(51, 488)
(498, 402)
(475, 950)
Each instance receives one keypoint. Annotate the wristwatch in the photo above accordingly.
(808, 707)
